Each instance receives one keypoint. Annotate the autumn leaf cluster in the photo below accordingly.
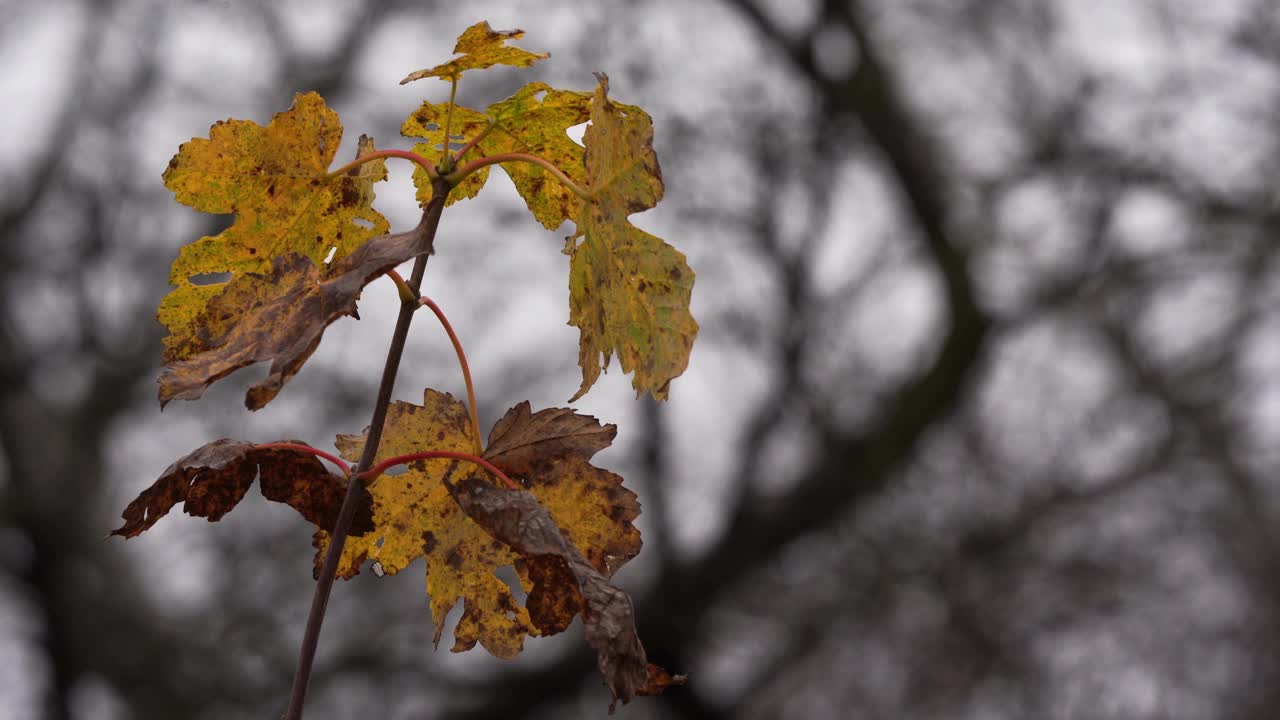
(305, 242)
(305, 236)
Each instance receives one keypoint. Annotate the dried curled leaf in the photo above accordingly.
(415, 516)
(480, 46)
(629, 291)
(532, 121)
(522, 442)
(275, 179)
(549, 451)
(565, 585)
(280, 317)
(211, 480)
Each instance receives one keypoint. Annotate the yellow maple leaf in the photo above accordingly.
(415, 516)
(480, 46)
(275, 179)
(532, 121)
(629, 291)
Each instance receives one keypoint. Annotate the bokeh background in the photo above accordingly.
(980, 423)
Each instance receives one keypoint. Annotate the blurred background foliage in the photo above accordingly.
(980, 423)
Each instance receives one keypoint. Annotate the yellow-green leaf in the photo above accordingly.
(480, 46)
(532, 121)
(629, 291)
(275, 179)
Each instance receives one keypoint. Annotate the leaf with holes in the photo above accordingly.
(532, 121)
(480, 46)
(212, 479)
(428, 122)
(279, 317)
(415, 516)
(629, 291)
(275, 179)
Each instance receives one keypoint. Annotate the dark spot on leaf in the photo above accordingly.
(350, 195)
(428, 541)
(454, 559)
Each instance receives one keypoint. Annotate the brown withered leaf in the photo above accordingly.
(212, 479)
(550, 452)
(280, 317)
(524, 442)
(565, 585)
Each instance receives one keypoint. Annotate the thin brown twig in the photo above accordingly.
(324, 583)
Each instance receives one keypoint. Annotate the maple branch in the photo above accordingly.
(346, 469)
(382, 467)
(457, 158)
(413, 157)
(324, 583)
(456, 176)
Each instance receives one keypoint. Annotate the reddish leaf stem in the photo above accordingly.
(466, 370)
(382, 467)
(350, 503)
(346, 469)
(413, 157)
(457, 175)
(406, 295)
